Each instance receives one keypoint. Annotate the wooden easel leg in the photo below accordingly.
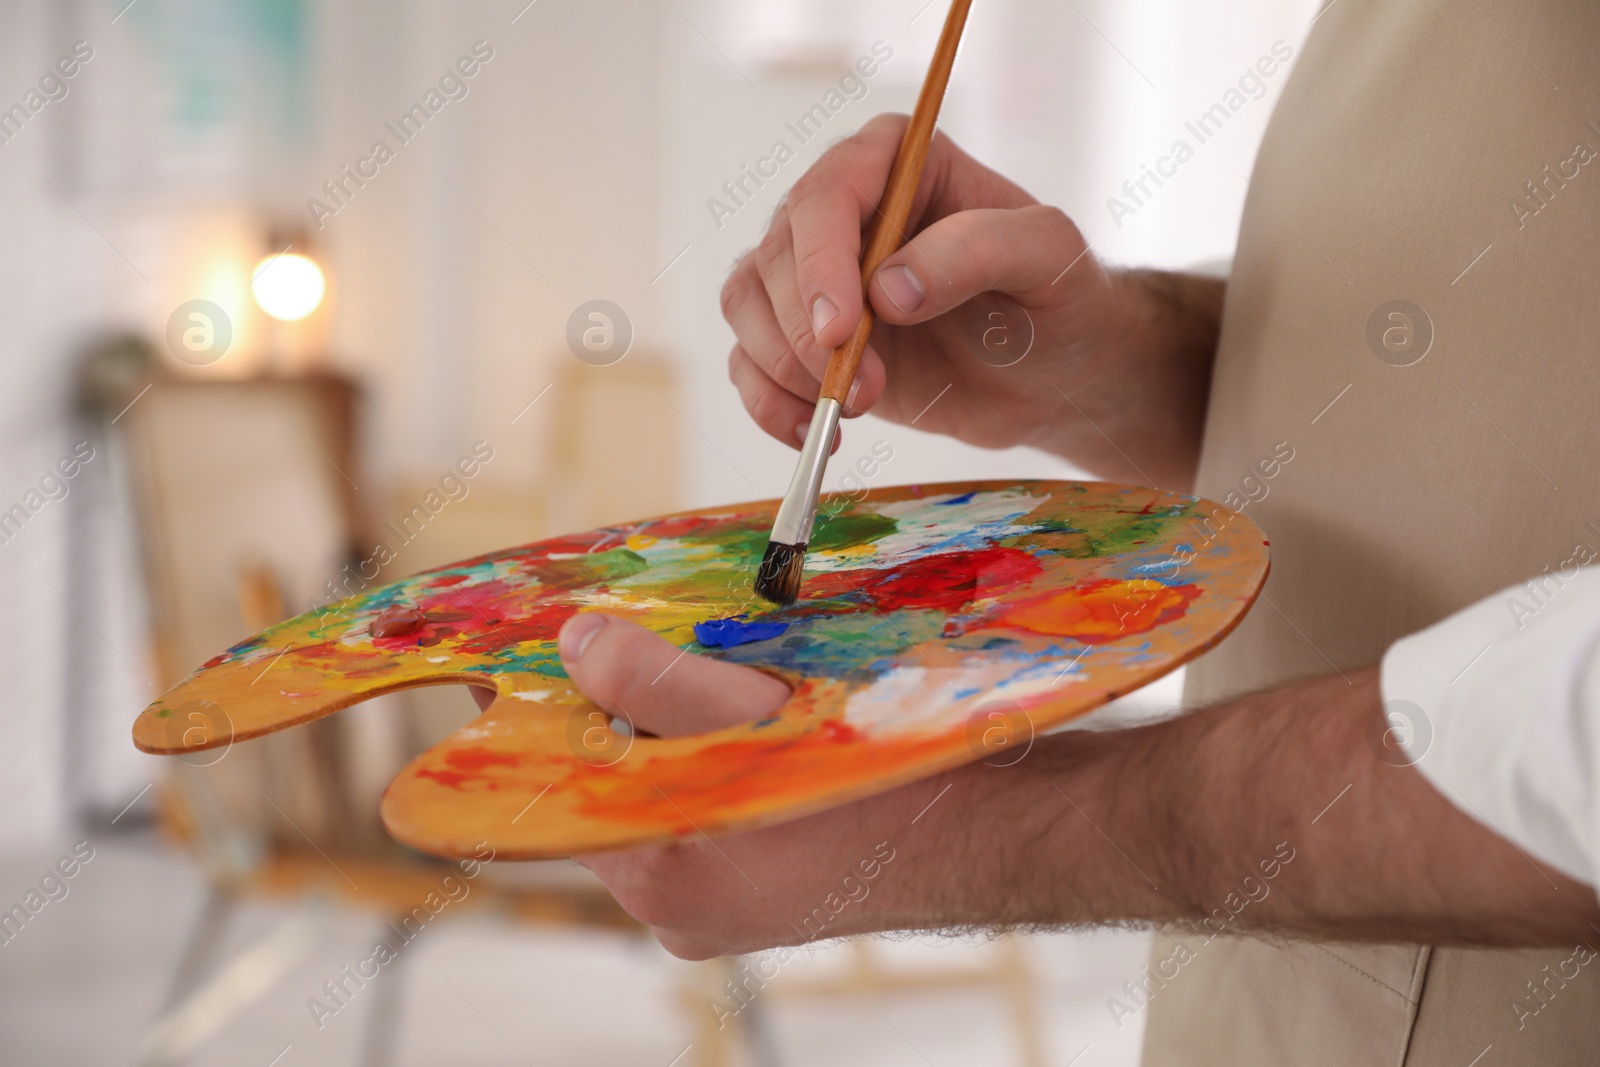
(1018, 977)
(759, 1036)
(206, 997)
(202, 948)
(199, 956)
(381, 1029)
(699, 991)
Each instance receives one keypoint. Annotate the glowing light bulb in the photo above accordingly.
(288, 286)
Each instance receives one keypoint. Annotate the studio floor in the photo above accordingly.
(81, 982)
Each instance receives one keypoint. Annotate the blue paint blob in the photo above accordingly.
(964, 498)
(726, 633)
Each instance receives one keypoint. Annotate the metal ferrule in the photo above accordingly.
(799, 507)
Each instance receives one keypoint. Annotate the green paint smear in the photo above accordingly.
(849, 529)
(1108, 533)
(591, 569)
(736, 542)
(533, 658)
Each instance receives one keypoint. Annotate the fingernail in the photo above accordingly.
(850, 397)
(800, 431)
(576, 635)
(902, 287)
(823, 312)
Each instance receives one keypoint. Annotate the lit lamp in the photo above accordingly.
(288, 286)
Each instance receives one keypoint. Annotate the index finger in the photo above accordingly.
(827, 209)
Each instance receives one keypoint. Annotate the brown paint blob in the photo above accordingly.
(396, 621)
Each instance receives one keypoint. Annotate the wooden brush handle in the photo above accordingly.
(888, 228)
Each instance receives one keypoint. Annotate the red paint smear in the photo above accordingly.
(684, 525)
(321, 648)
(448, 603)
(543, 623)
(839, 730)
(480, 758)
(945, 582)
(466, 765)
(448, 779)
(312, 653)
(495, 612)
(1099, 611)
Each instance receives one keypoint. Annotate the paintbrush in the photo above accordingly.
(778, 578)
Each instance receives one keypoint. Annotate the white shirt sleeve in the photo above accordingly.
(1499, 707)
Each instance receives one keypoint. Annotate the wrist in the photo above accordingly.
(1138, 391)
(1168, 311)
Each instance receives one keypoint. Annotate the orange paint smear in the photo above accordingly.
(1099, 611)
(664, 791)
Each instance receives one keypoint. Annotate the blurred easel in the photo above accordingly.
(245, 513)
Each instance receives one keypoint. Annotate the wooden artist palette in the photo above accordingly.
(938, 624)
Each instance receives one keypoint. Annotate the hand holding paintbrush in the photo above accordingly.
(778, 578)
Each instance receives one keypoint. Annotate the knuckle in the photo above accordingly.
(976, 242)
(1052, 217)
(737, 289)
(789, 370)
(795, 323)
(1058, 224)
(883, 124)
(814, 260)
(771, 248)
(815, 179)
(766, 408)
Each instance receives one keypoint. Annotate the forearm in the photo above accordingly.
(1273, 813)
(1140, 395)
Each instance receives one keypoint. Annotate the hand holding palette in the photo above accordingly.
(938, 624)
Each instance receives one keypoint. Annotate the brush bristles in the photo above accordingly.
(778, 580)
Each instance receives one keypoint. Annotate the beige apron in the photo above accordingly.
(1432, 160)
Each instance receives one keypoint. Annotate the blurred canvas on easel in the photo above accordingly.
(245, 497)
(615, 444)
(595, 476)
(613, 448)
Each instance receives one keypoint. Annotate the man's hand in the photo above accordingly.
(1276, 812)
(987, 275)
(747, 891)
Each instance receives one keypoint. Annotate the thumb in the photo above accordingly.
(1025, 252)
(632, 673)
